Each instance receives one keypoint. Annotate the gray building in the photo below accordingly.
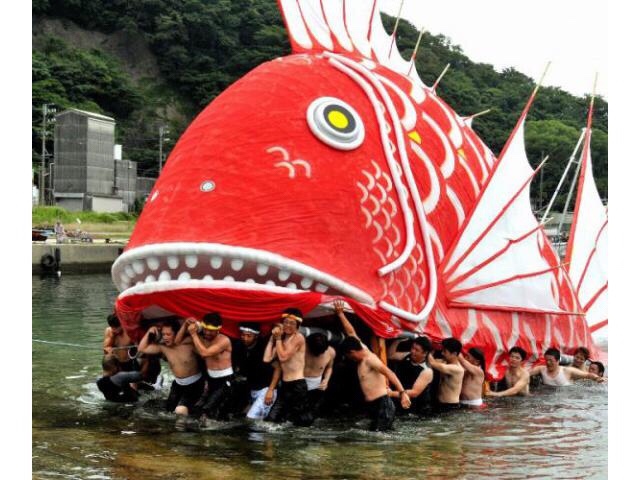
(144, 186)
(84, 162)
(126, 179)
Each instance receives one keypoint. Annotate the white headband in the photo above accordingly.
(250, 330)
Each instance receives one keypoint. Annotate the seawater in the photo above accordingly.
(77, 435)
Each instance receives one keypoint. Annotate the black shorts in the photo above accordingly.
(382, 413)
(446, 407)
(116, 393)
(292, 404)
(185, 395)
(216, 401)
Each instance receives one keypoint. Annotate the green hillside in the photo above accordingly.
(188, 51)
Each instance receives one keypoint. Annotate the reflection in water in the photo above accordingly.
(76, 434)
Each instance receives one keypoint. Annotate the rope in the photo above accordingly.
(125, 347)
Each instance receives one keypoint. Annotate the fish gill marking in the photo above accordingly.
(379, 231)
(480, 159)
(430, 203)
(410, 117)
(472, 327)
(472, 177)
(367, 215)
(397, 238)
(448, 165)
(378, 173)
(289, 165)
(376, 204)
(457, 206)
(387, 218)
(389, 251)
(383, 193)
(365, 192)
(370, 178)
(357, 72)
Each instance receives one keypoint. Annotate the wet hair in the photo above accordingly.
(113, 321)
(452, 345)
(351, 344)
(554, 352)
(423, 342)
(212, 318)
(317, 343)
(584, 351)
(110, 363)
(600, 366)
(173, 324)
(479, 356)
(519, 351)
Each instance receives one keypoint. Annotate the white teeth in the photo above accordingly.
(283, 275)
(150, 279)
(216, 262)
(173, 262)
(229, 278)
(164, 276)
(292, 286)
(306, 282)
(321, 288)
(184, 276)
(129, 271)
(138, 266)
(250, 280)
(262, 269)
(237, 264)
(153, 263)
(207, 278)
(191, 261)
(270, 282)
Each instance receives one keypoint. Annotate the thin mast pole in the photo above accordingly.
(566, 203)
(44, 149)
(415, 52)
(435, 85)
(395, 29)
(572, 159)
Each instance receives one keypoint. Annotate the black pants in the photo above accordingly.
(216, 402)
(184, 395)
(292, 404)
(382, 413)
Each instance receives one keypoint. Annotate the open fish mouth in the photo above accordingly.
(172, 266)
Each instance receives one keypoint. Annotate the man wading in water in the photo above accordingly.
(451, 375)
(373, 376)
(186, 389)
(288, 346)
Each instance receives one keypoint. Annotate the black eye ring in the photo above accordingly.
(335, 123)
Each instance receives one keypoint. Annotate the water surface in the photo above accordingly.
(77, 435)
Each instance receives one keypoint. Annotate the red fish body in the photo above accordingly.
(327, 174)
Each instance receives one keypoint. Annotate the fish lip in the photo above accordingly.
(132, 272)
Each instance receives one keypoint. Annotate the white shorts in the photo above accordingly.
(313, 382)
(258, 409)
(476, 402)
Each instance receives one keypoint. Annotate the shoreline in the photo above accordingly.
(73, 258)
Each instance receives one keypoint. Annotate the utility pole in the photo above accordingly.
(45, 120)
(161, 132)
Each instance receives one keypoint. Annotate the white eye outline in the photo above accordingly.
(207, 186)
(327, 133)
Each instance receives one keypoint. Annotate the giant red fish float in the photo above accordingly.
(335, 172)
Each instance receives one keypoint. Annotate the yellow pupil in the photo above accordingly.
(338, 119)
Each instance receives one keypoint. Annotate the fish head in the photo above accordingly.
(280, 183)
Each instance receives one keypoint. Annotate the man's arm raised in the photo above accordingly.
(474, 370)
(201, 348)
(285, 352)
(576, 373)
(393, 353)
(338, 306)
(146, 346)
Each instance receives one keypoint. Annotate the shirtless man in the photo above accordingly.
(373, 376)
(215, 348)
(413, 372)
(115, 338)
(473, 380)
(580, 359)
(556, 376)
(318, 367)
(287, 345)
(451, 375)
(187, 388)
(516, 378)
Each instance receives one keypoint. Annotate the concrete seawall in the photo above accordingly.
(76, 257)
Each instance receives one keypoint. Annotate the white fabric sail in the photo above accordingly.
(587, 245)
(496, 261)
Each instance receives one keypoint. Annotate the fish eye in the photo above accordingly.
(335, 123)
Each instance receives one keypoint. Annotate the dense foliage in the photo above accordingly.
(201, 46)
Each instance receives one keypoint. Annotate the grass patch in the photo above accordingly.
(50, 215)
